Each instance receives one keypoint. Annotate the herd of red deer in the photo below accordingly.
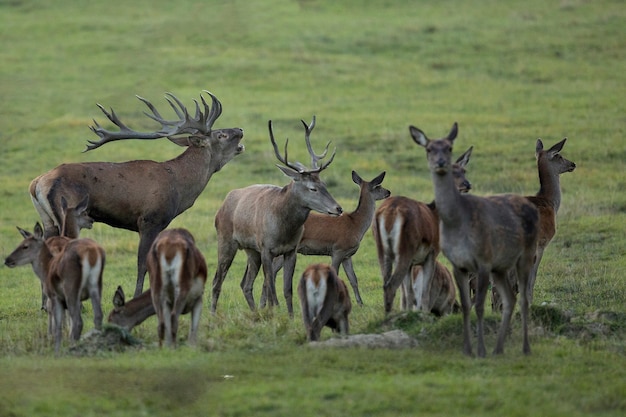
(497, 239)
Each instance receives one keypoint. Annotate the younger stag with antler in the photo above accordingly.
(325, 301)
(340, 237)
(71, 271)
(267, 221)
(177, 273)
(142, 196)
(483, 235)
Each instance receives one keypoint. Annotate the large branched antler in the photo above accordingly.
(297, 166)
(200, 123)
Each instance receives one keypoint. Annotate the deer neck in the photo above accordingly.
(294, 210)
(41, 265)
(364, 213)
(137, 310)
(191, 172)
(447, 198)
(549, 186)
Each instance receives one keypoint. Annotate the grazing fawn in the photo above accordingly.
(178, 273)
(70, 270)
(325, 301)
(131, 313)
(483, 235)
(406, 233)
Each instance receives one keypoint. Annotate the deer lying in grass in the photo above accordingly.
(550, 165)
(406, 233)
(267, 221)
(340, 237)
(442, 297)
(131, 313)
(142, 196)
(71, 271)
(325, 301)
(177, 272)
(483, 235)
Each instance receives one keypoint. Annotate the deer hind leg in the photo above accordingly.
(428, 270)
(507, 300)
(462, 283)
(349, 270)
(196, 312)
(225, 256)
(399, 277)
(247, 282)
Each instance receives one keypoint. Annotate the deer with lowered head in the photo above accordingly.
(483, 235)
(141, 195)
(340, 236)
(70, 270)
(267, 221)
(406, 233)
(131, 313)
(550, 165)
(325, 301)
(177, 272)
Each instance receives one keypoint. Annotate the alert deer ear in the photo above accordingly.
(118, 298)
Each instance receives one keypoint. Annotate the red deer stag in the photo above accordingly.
(340, 237)
(482, 235)
(142, 196)
(325, 301)
(177, 272)
(71, 271)
(131, 313)
(550, 165)
(406, 233)
(442, 298)
(267, 221)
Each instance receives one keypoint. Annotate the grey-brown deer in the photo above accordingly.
(406, 233)
(71, 271)
(267, 221)
(442, 298)
(177, 272)
(141, 195)
(483, 235)
(550, 165)
(340, 236)
(325, 301)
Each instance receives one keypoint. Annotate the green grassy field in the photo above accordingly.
(507, 72)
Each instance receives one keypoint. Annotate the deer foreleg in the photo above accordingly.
(289, 267)
(462, 283)
(428, 270)
(507, 297)
(146, 237)
(481, 294)
(349, 270)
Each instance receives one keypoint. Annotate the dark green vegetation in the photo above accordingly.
(508, 72)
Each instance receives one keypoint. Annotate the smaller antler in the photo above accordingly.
(202, 122)
(285, 160)
(316, 158)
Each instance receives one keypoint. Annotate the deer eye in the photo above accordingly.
(313, 189)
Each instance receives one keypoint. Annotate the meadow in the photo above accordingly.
(507, 72)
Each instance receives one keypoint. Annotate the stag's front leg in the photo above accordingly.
(289, 267)
(146, 237)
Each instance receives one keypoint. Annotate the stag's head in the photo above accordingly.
(197, 130)
(306, 181)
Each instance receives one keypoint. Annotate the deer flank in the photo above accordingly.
(482, 235)
(142, 196)
(325, 301)
(178, 273)
(267, 221)
(442, 292)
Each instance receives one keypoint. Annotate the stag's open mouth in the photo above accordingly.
(240, 148)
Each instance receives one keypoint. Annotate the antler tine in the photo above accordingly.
(316, 158)
(216, 110)
(284, 160)
(184, 124)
